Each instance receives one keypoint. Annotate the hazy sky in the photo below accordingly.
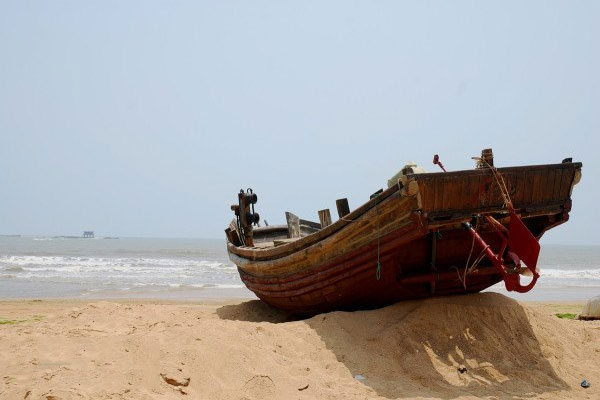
(143, 118)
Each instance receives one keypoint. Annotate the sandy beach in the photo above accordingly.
(243, 349)
(165, 165)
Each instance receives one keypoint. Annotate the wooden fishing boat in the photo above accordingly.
(427, 234)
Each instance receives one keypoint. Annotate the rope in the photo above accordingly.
(507, 203)
(378, 270)
(468, 269)
(470, 252)
(499, 181)
(459, 278)
(464, 280)
(477, 260)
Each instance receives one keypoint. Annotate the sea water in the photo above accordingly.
(566, 273)
(49, 267)
(55, 267)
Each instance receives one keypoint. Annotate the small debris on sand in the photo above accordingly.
(175, 377)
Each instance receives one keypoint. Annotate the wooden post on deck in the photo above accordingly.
(343, 208)
(487, 159)
(324, 218)
(293, 223)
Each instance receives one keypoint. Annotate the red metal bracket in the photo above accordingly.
(522, 245)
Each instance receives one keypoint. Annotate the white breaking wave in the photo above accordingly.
(131, 271)
(101, 262)
(53, 265)
(570, 274)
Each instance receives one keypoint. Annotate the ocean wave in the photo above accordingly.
(120, 273)
(189, 285)
(570, 273)
(97, 264)
(172, 274)
(13, 269)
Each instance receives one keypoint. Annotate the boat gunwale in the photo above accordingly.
(287, 248)
(486, 171)
(265, 254)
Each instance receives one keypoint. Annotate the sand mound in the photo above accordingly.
(483, 345)
(478, 345)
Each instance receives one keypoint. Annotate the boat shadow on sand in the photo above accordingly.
(481, 345)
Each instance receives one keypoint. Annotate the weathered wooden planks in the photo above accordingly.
(293, 223)
(325, 217)
(394, 214)
(343, 208)
(264, 254)
(453, 193)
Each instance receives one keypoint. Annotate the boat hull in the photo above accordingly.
(414, 232)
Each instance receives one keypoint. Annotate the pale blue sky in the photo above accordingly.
(144, 118)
